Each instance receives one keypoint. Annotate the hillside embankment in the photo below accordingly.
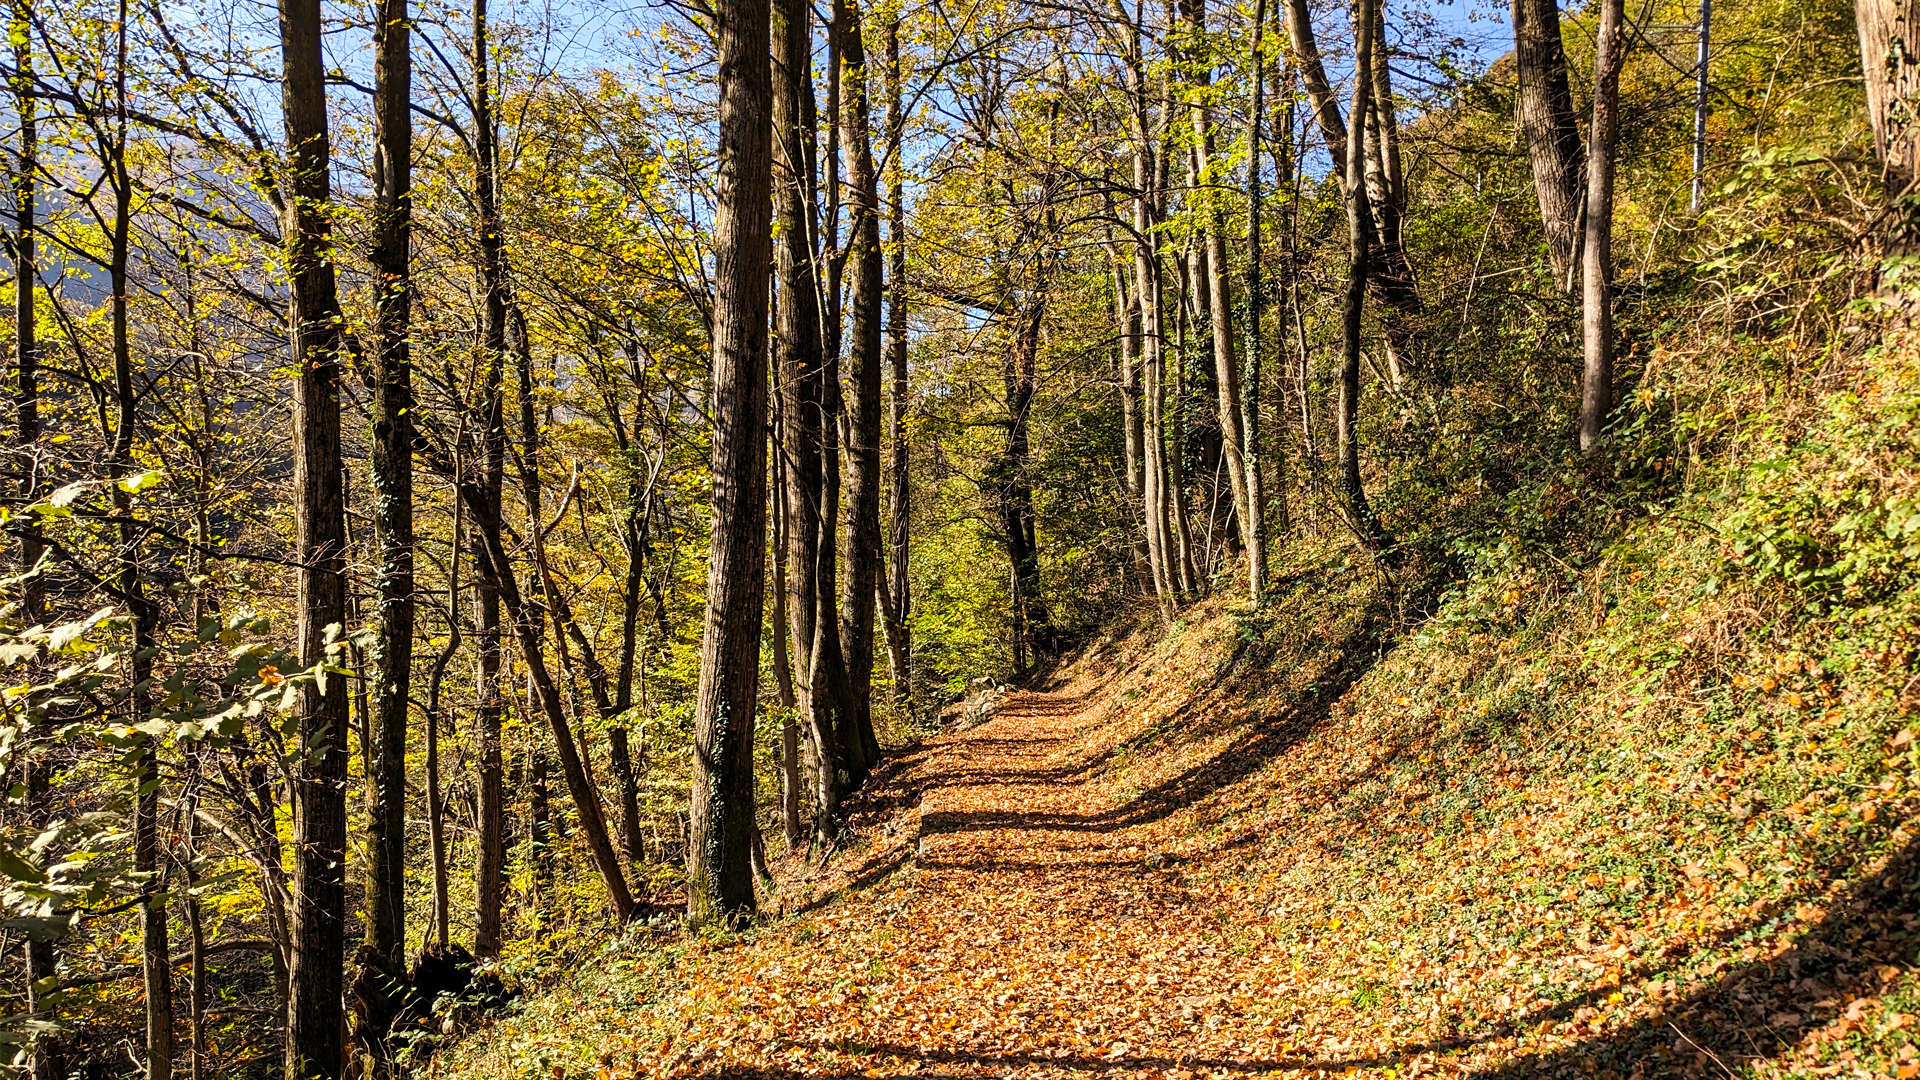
(1651, 815)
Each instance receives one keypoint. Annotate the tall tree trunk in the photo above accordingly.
(1596, 322)
(619, 748)
(1156, 478)
(1387, 196)
(1313, 75)
(196, 946)
(490, 813)
(436, 812)
(525, 622)
(1890, 56)
(392, 471)
(540, 833)
(26, 354)
(836, 758)
(1014, 482)
(1174, 377)
(1127, 312)
(1360, 259)
(899, 510)
(805, 423)
(782, 638)
(828, 687)
(314, 1024)
(1146, 305)
(1233, 442)
(1543, 107)
(1256, 299)
(866, 358)
(156, 967)
(1190, 575)
(721, 824)
(490, 863)
(26, 401)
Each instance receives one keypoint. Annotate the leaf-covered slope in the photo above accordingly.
(1647, 816)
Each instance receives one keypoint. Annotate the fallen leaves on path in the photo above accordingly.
(1158, 871)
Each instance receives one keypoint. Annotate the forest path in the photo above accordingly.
(1036, 930)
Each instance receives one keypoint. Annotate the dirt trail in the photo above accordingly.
(1036, 933)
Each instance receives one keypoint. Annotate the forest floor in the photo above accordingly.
(1165, 863)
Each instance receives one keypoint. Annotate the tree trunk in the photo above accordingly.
(1543, 107)
(26, 399)
(1890, 56)
(391, 447)
(586, 800)
(1596, 261)
(618, 735)
(1313, 74)
(1127, 313)
(1014, 482)
(490, 863)
(783, 656)
(1155, 476)
(807, 510)
(1256, 299)
(196, 949)
(314, 1025)
(157, 968)
(1146, 305)
(490, 814)
(26, 354)
(866, 358)
(1233, 442)
(436, 813)
(1180, 549)
(828, 686)
(540, 833)
(1190, 577)
(721, 825)
(899, 511)
(1360, 259)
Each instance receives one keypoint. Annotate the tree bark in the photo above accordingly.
(866, 358)
(26, 401)
(1256, 300)
(436, 814)
(721, 824)
(1596, 321)
(1360, 259)
(782, 650)
(196, 950)
(808, 444)
(146, 805)
(1155, 478)
(485, 505)
(1014, 482)
(314, 1023)
(1233, 442)
(524, 619)
(26, 354)
(1313, 75)
(391, 447)
(1890, 56)
(899, 510)
(1543, 107)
